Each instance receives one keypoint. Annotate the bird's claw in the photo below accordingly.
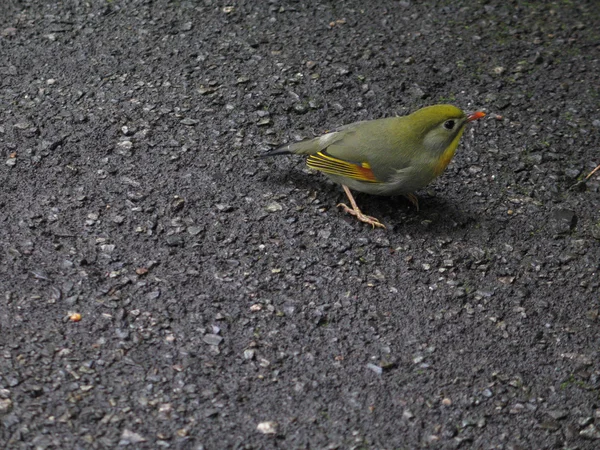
(362, 217)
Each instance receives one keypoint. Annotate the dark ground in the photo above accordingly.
(218, 291)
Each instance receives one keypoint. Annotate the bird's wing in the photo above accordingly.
(371, 145)
(326, 163)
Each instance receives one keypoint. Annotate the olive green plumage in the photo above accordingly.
(392, 156)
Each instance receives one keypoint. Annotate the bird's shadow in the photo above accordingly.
(398, 213)
(303, 181)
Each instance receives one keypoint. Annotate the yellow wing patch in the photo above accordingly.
(334, 166)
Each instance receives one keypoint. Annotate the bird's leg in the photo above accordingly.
(355, 211)
(413, 199)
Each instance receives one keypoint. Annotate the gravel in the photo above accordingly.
(161, 287)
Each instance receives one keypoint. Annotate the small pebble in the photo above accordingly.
(558, 414)
(212, 339)
(590, 432)
(407, 414)
(129, 437)
(5, 405)
(267, 427)
(375, 368)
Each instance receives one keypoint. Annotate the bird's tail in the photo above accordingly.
(305, 147)
(283, 150)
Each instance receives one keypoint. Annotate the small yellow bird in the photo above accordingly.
(392, 156)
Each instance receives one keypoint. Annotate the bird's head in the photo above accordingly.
(441, 126)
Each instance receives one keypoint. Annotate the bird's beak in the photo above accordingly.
(474, 116)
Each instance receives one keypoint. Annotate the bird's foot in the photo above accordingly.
(413, 199)
(362, 217)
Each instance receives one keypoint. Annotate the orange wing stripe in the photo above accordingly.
(328, 164)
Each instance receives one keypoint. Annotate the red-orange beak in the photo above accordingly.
(474, 116)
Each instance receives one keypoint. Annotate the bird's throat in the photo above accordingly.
(448, 154)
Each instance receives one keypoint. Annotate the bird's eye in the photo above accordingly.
(449, 124)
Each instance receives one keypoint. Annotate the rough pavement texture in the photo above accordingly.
(224, 300)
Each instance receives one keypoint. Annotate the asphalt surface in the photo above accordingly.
(163, 288)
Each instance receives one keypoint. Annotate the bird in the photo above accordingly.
(389, 156)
